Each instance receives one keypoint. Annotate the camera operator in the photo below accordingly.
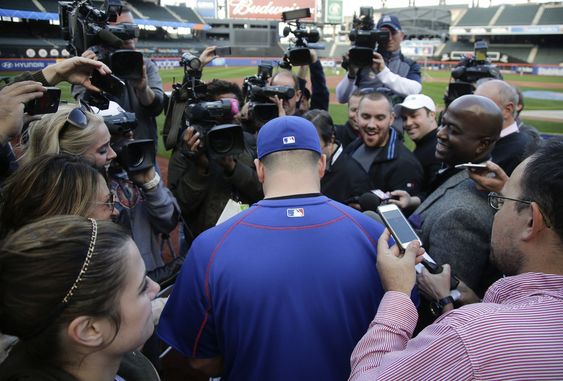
(318, 98)
(146, 207)
(204, 183)
(144, 97)
(389, 69)
(288, 79)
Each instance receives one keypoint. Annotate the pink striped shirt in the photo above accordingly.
(515, 334)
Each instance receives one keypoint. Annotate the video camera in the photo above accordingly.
(298, 54)
(189, 107)
(365, 38)
(132, 155)
(85, 26)
(468, 71)
(258, 94)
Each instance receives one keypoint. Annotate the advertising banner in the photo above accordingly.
(266, 9)
(333, 12)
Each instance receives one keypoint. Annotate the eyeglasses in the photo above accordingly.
(496, 201)
(110, 202)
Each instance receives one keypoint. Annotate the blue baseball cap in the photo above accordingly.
(390, 21)
(287, 133)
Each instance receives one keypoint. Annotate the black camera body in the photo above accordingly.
(213, 120)
(298, 54)
(256, 92)
(468, 71)
(85, 26)
(132, 155)
(365, 38)
(188, 107)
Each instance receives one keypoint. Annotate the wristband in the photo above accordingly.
(437, 307)
(152, 183)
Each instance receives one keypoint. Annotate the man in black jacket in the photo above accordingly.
(418, 112)
(389, 164)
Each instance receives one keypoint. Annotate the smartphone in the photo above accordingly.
(471, 166)
(382, 195)
(47, 104)
(108, 83)
(403, 233)
(398, 225)
(223, 51)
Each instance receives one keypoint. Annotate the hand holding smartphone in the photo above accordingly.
(47, 104)
(403, 234)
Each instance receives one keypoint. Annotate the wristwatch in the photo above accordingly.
(438, 306)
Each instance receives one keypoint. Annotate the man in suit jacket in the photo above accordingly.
(455, 219)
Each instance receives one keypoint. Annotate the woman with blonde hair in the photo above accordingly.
(74, 291)
(73, 130)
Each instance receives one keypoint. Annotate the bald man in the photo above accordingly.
(513, 146)
(455, 221)
(288, 79)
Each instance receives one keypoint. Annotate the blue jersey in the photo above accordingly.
(282, 291)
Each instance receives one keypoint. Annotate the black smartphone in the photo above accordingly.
(108, 83)
(223, 51)
(47, 104)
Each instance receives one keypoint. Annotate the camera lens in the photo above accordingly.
(222, 141)
(135, 155)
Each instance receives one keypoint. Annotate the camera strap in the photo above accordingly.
(173, 121)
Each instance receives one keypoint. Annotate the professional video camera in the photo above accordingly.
(365, 38)
(298, 54)
(189, 107)
(258, 94)
(132, 155)
(468, 71)
(84, 27)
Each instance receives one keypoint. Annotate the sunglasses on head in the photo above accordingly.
(77, 117)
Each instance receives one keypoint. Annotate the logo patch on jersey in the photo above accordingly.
(297, 212)
(289, 140)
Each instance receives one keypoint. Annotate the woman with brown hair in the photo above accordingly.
(74, 291)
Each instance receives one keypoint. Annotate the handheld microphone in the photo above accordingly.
(369, 201)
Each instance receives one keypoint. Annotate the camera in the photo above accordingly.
(189, 107)
(48, 103)
(468, 71)
(260, 107)
(85, 26)
(365, 38)
(213, 122)
(132, 155)
(298, 54)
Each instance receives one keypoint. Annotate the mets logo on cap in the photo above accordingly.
(289, 140)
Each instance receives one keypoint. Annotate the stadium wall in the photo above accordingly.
(33, 64)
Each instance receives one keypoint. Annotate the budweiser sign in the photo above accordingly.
(266, 9)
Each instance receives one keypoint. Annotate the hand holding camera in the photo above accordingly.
(378, 63)
(13, 99)
(76, 70)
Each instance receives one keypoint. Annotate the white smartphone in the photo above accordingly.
(398, 225)
(471, 166)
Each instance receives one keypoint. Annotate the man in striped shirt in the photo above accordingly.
(517, 330)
